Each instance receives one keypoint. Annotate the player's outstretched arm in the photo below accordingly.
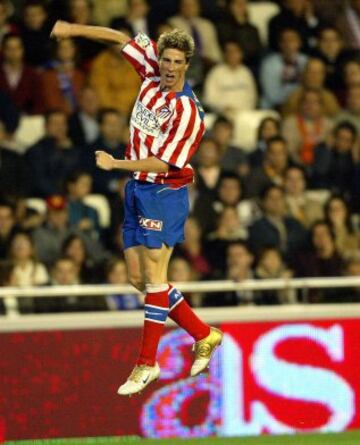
(151, 165)
(63, 30)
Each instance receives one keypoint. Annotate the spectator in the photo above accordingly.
(352, 269)
(275, 229)
(351, 113)
(28, 271)
(6, 279)
(208, 166)
(338, 217)
(268, 128)
(272, 169)
(83, 123)
(204, 34)
(322, 260)
(18, 80)
(6, 27)
(192, 249)
(307, 128)
(297, 14)
(66, 273)
(230, 86)
(53, 158)
(114, 80)
(314, 77)
(271, 265)
(112, 125)
(330, 49)
(35, 31)
(81, 216)
(336, 161)
(236, 27)
(299, 205)
(75, 248)
(239, 261)
(280, 72)
(350, 78)
(348, 24)
(136, 19)
(62, 83)
(116, 274)
(8, 226)
(13, 176)
(9, 117)
(232, 158)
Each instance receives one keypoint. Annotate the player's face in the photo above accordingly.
(173, 67)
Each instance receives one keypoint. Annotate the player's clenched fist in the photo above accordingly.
(61, 30)
(104, 160)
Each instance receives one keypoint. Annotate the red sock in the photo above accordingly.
(185, 317)
(156, 311)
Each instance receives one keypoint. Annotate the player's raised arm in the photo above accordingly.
(63, 30)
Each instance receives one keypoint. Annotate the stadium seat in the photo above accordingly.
(260, 14)
(246, 127)
(100, 203)
(30, 130)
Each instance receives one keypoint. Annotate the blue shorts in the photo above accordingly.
(155, 214)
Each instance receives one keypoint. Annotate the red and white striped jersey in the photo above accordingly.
(164, 124)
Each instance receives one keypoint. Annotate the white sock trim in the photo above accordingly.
(154, 288)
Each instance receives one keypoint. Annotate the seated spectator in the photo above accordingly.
(83, 123)
(115, 273)
(270, 265)
(136, 19)
(50, 236)
(18, 80)
(75, 248)
(299, 205)
(297, 14)
(272, 169)
(229, 227)
(208, 51)
(35, 30)
(336, 161)
(338, 217)
(232, 158)
(350, 79)
(275, 229)
(13, 173)
(65, 272)
(314, 77)
(28, 271)
(82, 216)
(230, 86)
(280, 72)
(208, 169)
(268, 128)
(351, 113)
(8, 226)
(6, 27)
(114, 80)
(330, 49)
(236, 27)
(348, 24)
(322, 260)
(112, 125)
(192, 249)
(239, 261)
(307, 128)
(62, 83)
(180, 270)
(53, 158)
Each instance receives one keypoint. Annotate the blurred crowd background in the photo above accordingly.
(277, 173)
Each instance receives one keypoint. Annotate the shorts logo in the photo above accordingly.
(150, 224)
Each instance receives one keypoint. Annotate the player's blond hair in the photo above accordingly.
(177, 39)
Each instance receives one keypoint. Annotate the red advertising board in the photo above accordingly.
(268, 377)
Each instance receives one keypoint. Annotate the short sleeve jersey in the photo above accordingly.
(165, 124)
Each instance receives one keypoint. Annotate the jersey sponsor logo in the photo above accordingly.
(150, 224)
(145, 120)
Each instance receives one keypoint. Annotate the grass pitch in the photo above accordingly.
(350, 438)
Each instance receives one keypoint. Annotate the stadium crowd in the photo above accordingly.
(287, 206)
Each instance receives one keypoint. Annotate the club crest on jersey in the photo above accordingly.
(142, 40)
(150, 224)
(163, 112)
